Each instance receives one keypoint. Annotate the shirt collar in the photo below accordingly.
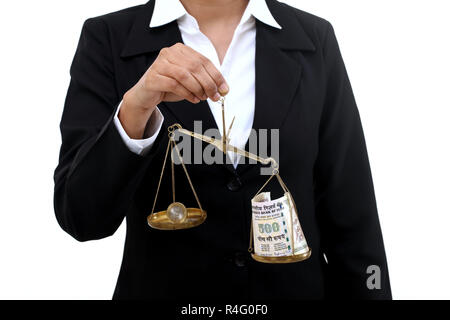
(166, 11)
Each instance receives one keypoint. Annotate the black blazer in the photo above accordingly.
(302, 89)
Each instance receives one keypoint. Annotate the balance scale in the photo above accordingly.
(285, 230)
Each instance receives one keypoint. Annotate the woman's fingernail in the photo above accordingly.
(223, 89)
(196, 100)
(216, 97)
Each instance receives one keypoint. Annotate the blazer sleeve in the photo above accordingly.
(344, 193)
(97, 174)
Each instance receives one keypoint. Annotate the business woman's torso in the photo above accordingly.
(294, 69)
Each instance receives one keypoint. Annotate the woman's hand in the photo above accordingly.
(178, 73)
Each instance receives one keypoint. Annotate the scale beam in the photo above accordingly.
(224, 147)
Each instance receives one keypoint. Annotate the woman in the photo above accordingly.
(142, 69)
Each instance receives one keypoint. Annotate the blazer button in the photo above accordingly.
(235, 184)
(240, 259)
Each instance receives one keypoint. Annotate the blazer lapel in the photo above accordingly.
(142, 39)
(277, 69)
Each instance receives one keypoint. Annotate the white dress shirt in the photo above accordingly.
(238, 69)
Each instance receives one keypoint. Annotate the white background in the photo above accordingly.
(398, 57)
